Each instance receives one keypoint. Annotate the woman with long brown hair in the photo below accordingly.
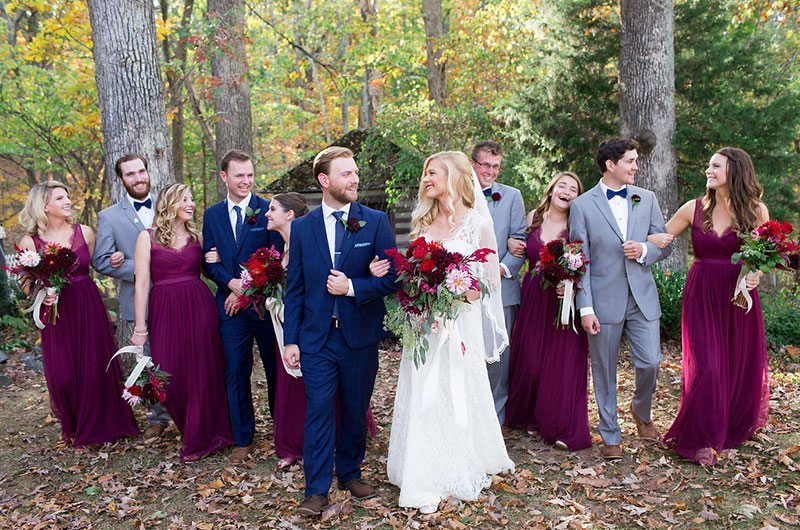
(548, 375)
(725, 395)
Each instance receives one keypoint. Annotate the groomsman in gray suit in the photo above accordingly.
(618, 295)
(118, 227)
(508, 214)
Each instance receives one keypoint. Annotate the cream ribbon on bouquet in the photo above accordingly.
(448, 342)
(275, 308)
(142, 362)
(568, 304)
(37, 304)
(741, 289)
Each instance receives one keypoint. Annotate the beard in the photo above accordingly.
(343, 196)
(135, 194)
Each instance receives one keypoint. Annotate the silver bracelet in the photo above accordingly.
(140, 333)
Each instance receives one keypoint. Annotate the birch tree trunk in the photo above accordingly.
(370, 92)
(434, 33)
(234, 121)
(129, 88)
(647, 101)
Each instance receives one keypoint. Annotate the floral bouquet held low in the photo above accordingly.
(434, 289)
(47, 272)
(147, 382)
(766, 248)
(562, 261)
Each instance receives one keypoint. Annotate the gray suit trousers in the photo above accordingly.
(498, 372)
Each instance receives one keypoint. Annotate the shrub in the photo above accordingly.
(670, 293)
(781, 308)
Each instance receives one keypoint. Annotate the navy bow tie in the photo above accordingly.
(610, 194)
(146, 204)
(487, 192)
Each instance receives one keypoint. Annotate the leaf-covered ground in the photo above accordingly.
(133, 484)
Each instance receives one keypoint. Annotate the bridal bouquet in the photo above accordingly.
(150, 388)
(263, 277)
(434, 285)
(562, 261)
(47, 272)
(765, 248)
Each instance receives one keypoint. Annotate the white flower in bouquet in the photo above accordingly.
(29, 258)
(247, 279)
(458, 281)
(130, 398)
(574, 261)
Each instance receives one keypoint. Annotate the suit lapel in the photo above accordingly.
(349, 237)
(253, 206)
(601, 202)
(492, 203)
(320, 235)
(631, 213)
(130, 213)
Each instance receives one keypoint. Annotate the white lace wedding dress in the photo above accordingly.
(445, 438)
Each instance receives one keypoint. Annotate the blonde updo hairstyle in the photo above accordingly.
(459, 188)
(167, 204)
(33, 217)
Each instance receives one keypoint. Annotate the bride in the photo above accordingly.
(445, 438)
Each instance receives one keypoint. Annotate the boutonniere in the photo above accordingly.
(494, 197)
(353, 225)
(252, 216)
(635, 199)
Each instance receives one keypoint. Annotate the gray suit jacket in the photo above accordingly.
(118, 227)
(610, 275)
(508, 215)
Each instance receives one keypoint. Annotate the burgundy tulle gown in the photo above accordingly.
(185, 342)
(725, 393)
(548, 370)
(85, 398)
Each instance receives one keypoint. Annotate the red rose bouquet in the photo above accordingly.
(150, 387)
(766, 248)
(562, 261)
(434, 285)
(47, 272)
(263, 278)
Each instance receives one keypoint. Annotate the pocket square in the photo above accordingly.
(359, 245)
(257, 229)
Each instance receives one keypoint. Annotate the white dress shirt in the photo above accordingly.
(330, 234)
(144, 214)
(232, 215)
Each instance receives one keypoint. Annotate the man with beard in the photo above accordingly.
(118, 227)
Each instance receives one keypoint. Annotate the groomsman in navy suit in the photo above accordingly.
(334, 320)
(236, 227)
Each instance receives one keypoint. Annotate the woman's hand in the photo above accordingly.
(472, 295)
(560, 289)
(50, 299)
(752, 279)
(138, 340)
(379, 267)
(516, 247)
(212, 256)
(660, 240)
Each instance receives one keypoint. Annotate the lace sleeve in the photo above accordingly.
(495, 337)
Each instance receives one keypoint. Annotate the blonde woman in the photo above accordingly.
(183, 325)
(85, 398)
(446, 438)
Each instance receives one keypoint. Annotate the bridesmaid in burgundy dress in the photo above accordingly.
(725, 395)
(290, 395)
(184, 328)
(85, 398)
(548, 374)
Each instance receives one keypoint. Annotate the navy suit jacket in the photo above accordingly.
(309, 306)
(217, 232)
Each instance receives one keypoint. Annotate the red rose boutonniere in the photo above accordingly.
(252, 216)
(494, 197)
(353, 225)
(635, 199)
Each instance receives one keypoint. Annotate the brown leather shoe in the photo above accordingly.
(611, 452)
(241, 454)
(647, 430)
(154, 431)
(312, 506)
(358, 488)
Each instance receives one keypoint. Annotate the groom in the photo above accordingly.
(334, 320)
(618, 295)
(236, 227)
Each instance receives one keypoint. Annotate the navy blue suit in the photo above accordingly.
(239, 330)
(344, 359)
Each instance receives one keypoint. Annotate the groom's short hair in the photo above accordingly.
(322, 162)
(613, 149)
(230, 156)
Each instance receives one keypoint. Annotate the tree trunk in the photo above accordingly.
(434, 32)
(234, 122)
(129, 88)
(370, 92)
(647, 101)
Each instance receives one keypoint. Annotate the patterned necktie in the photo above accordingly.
(610, 194)
(239, 223)
(338, 238)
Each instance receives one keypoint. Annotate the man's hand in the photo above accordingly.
(338, 284)
(632, 249)
(291, 355)
(230, 304)
(590, 324)
(116, 259)
(516, 247)
(212, 256)
(235, 285)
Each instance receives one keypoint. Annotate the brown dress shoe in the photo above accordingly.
(358, 488)
(611, 452)
(312, 506)
(241, 454)
(154, 431)
(647, 430)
